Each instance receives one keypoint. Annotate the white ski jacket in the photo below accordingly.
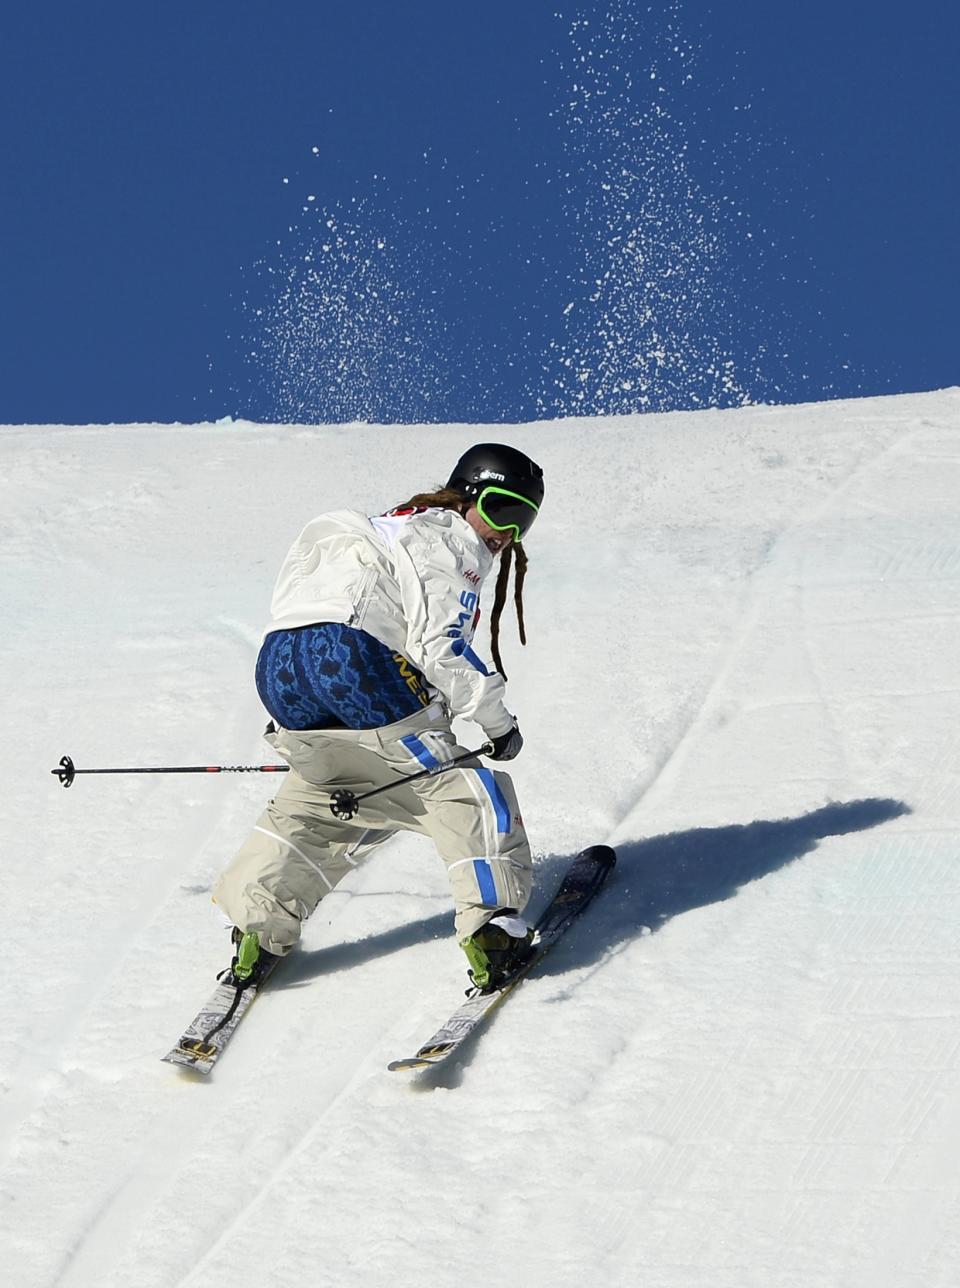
(411, 580)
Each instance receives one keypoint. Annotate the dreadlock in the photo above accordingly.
(500, 598)
(446, 498)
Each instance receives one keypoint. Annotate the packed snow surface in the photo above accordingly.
(743, 1067)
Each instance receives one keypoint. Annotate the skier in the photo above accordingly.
(367, 659)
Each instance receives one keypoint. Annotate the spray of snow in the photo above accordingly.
(653, 315)
(348, 318)
(338, 329)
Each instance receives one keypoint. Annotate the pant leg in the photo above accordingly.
(472, 816)
(298, 851)
(296, 854)
(475, 824)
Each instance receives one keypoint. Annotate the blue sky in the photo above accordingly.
(451, 212)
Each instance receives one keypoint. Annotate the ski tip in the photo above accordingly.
(427, 1055)
(600, 854)
(187, 1063)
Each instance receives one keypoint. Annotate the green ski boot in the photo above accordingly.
(249, 959)
(497, 951)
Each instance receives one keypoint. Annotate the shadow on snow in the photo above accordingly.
(655, 880)
(664, 876)
(305, 965)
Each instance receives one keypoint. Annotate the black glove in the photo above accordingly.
(507, 745)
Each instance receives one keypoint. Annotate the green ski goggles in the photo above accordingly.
(504, 510)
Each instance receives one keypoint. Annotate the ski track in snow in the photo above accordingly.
(701, 1088)
(745, 626)
(81, 998)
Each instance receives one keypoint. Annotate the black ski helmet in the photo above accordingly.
(501, 469)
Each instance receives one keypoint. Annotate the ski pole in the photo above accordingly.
(67, 770)
(345, 803)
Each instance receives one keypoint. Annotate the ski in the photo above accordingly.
(202, 1042)
(582, 880)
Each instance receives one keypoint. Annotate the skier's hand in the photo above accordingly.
(507, 745)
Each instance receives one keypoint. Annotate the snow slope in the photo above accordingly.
(743, 1070)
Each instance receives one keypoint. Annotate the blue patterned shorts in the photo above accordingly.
(332, 676)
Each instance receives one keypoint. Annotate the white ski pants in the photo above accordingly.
(298, 851)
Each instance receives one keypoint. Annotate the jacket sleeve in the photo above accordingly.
(440, 603)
